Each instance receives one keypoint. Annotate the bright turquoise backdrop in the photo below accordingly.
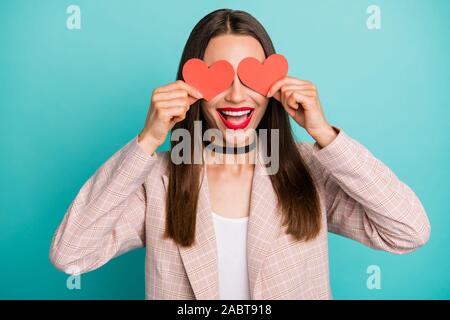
(70, 99)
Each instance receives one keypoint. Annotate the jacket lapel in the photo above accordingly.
(200, 260)
(264, 223)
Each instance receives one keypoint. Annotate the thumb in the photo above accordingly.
(277, 95)
(192, 100)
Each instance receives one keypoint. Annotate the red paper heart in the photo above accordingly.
(209, 81)
(261, 77)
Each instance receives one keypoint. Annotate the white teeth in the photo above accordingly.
(236, 113)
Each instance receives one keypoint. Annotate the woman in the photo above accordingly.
(229, 230)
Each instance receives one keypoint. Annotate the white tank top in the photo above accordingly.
(231, 237)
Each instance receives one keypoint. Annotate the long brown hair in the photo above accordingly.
(293, 184)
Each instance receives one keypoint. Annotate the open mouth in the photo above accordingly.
(236, 118)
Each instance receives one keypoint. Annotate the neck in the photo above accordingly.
(231, 155)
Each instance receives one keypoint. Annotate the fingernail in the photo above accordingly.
(199, 94)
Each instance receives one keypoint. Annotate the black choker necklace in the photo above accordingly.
(231, 150)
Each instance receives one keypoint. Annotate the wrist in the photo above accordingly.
(325, 136)
(147, 143)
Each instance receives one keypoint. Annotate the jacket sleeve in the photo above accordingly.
(107, 217)
(366, 201)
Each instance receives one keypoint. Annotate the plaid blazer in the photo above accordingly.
(122, 207)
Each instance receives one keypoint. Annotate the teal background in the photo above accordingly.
(70, 99)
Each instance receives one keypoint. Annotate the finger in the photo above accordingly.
(285, 81)
(305, 89)
(302, 87)
(288, 99)
(297, 98)
(291, 101)
(277, 86)
(167, 96)
(289, 110)
(191, 90)
(277, 95)
(192, 100)
(177, 119)
(308, 93)
(284, 96)
(178, 102)
(180, 84)
(176, 112)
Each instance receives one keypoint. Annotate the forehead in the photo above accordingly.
(233, 48)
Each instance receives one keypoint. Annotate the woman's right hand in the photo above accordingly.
(168, 106)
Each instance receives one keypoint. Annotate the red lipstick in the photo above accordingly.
(236, 118)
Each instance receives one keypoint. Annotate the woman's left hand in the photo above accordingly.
(301, 101)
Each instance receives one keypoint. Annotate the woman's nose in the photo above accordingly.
(236, 93)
